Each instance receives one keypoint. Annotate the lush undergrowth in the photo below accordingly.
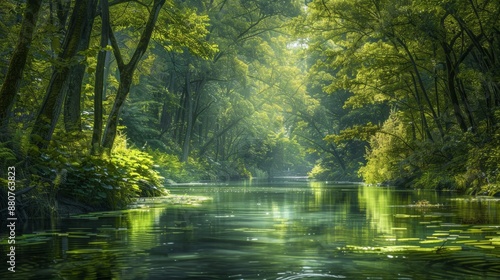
(66, 178)
(467, 162)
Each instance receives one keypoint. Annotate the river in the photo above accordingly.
(284, 230)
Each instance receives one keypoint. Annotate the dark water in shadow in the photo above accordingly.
(272, 231)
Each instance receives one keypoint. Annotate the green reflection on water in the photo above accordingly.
(281, 231)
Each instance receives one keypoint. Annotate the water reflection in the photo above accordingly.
(281, 231)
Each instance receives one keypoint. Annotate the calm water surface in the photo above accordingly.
(272, 231)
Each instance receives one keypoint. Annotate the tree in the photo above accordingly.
(99, 78)
(12, 82)
(127, 72)
(430, 61)
(48, 116)
(72, 101)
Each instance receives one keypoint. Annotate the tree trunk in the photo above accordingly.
(425, 126)
(452, 91)
(424, 92)
(99, 79)
(166, 116)
(189, 117)
(468, 109)
(127, 73)
(12, 81)
(48, 116)
(72, 115)
(112, 124)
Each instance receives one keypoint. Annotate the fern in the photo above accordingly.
(7, 157)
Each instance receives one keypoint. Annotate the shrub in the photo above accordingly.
(388, 150)
(113, 181)
(171, 168)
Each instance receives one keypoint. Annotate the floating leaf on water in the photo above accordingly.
(432, 216)
(463, 236)
(84, 251)
(440, 234)
(485, 246)
(98, 243)
(473, 231)
(479, 243)
(399, 248)
(408, 239)
(465, 241)
(431, 241)
(402, 216)
(449, 248)
(399, 229)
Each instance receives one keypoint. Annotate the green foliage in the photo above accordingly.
(387, 149)
(482, 175)
(361, 132)
(276, 154)
(321, 172)
(171, 168)
(434, 179)
(184, 28)
(463, 162)
(101, 182)
(431, 62)
(112, 182)
(7, 155)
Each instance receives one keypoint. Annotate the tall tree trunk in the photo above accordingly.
(425, 126)
(189, 116)
(12, 82)
(166, 116)
(451, 88)
(99, 79)
(467, 106)
(48, 116)
(59, 11)
(127, 73)
(72, 111)
(423, 90)
(181, 119)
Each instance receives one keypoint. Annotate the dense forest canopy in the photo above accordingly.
(435, 65)
(103, 101)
